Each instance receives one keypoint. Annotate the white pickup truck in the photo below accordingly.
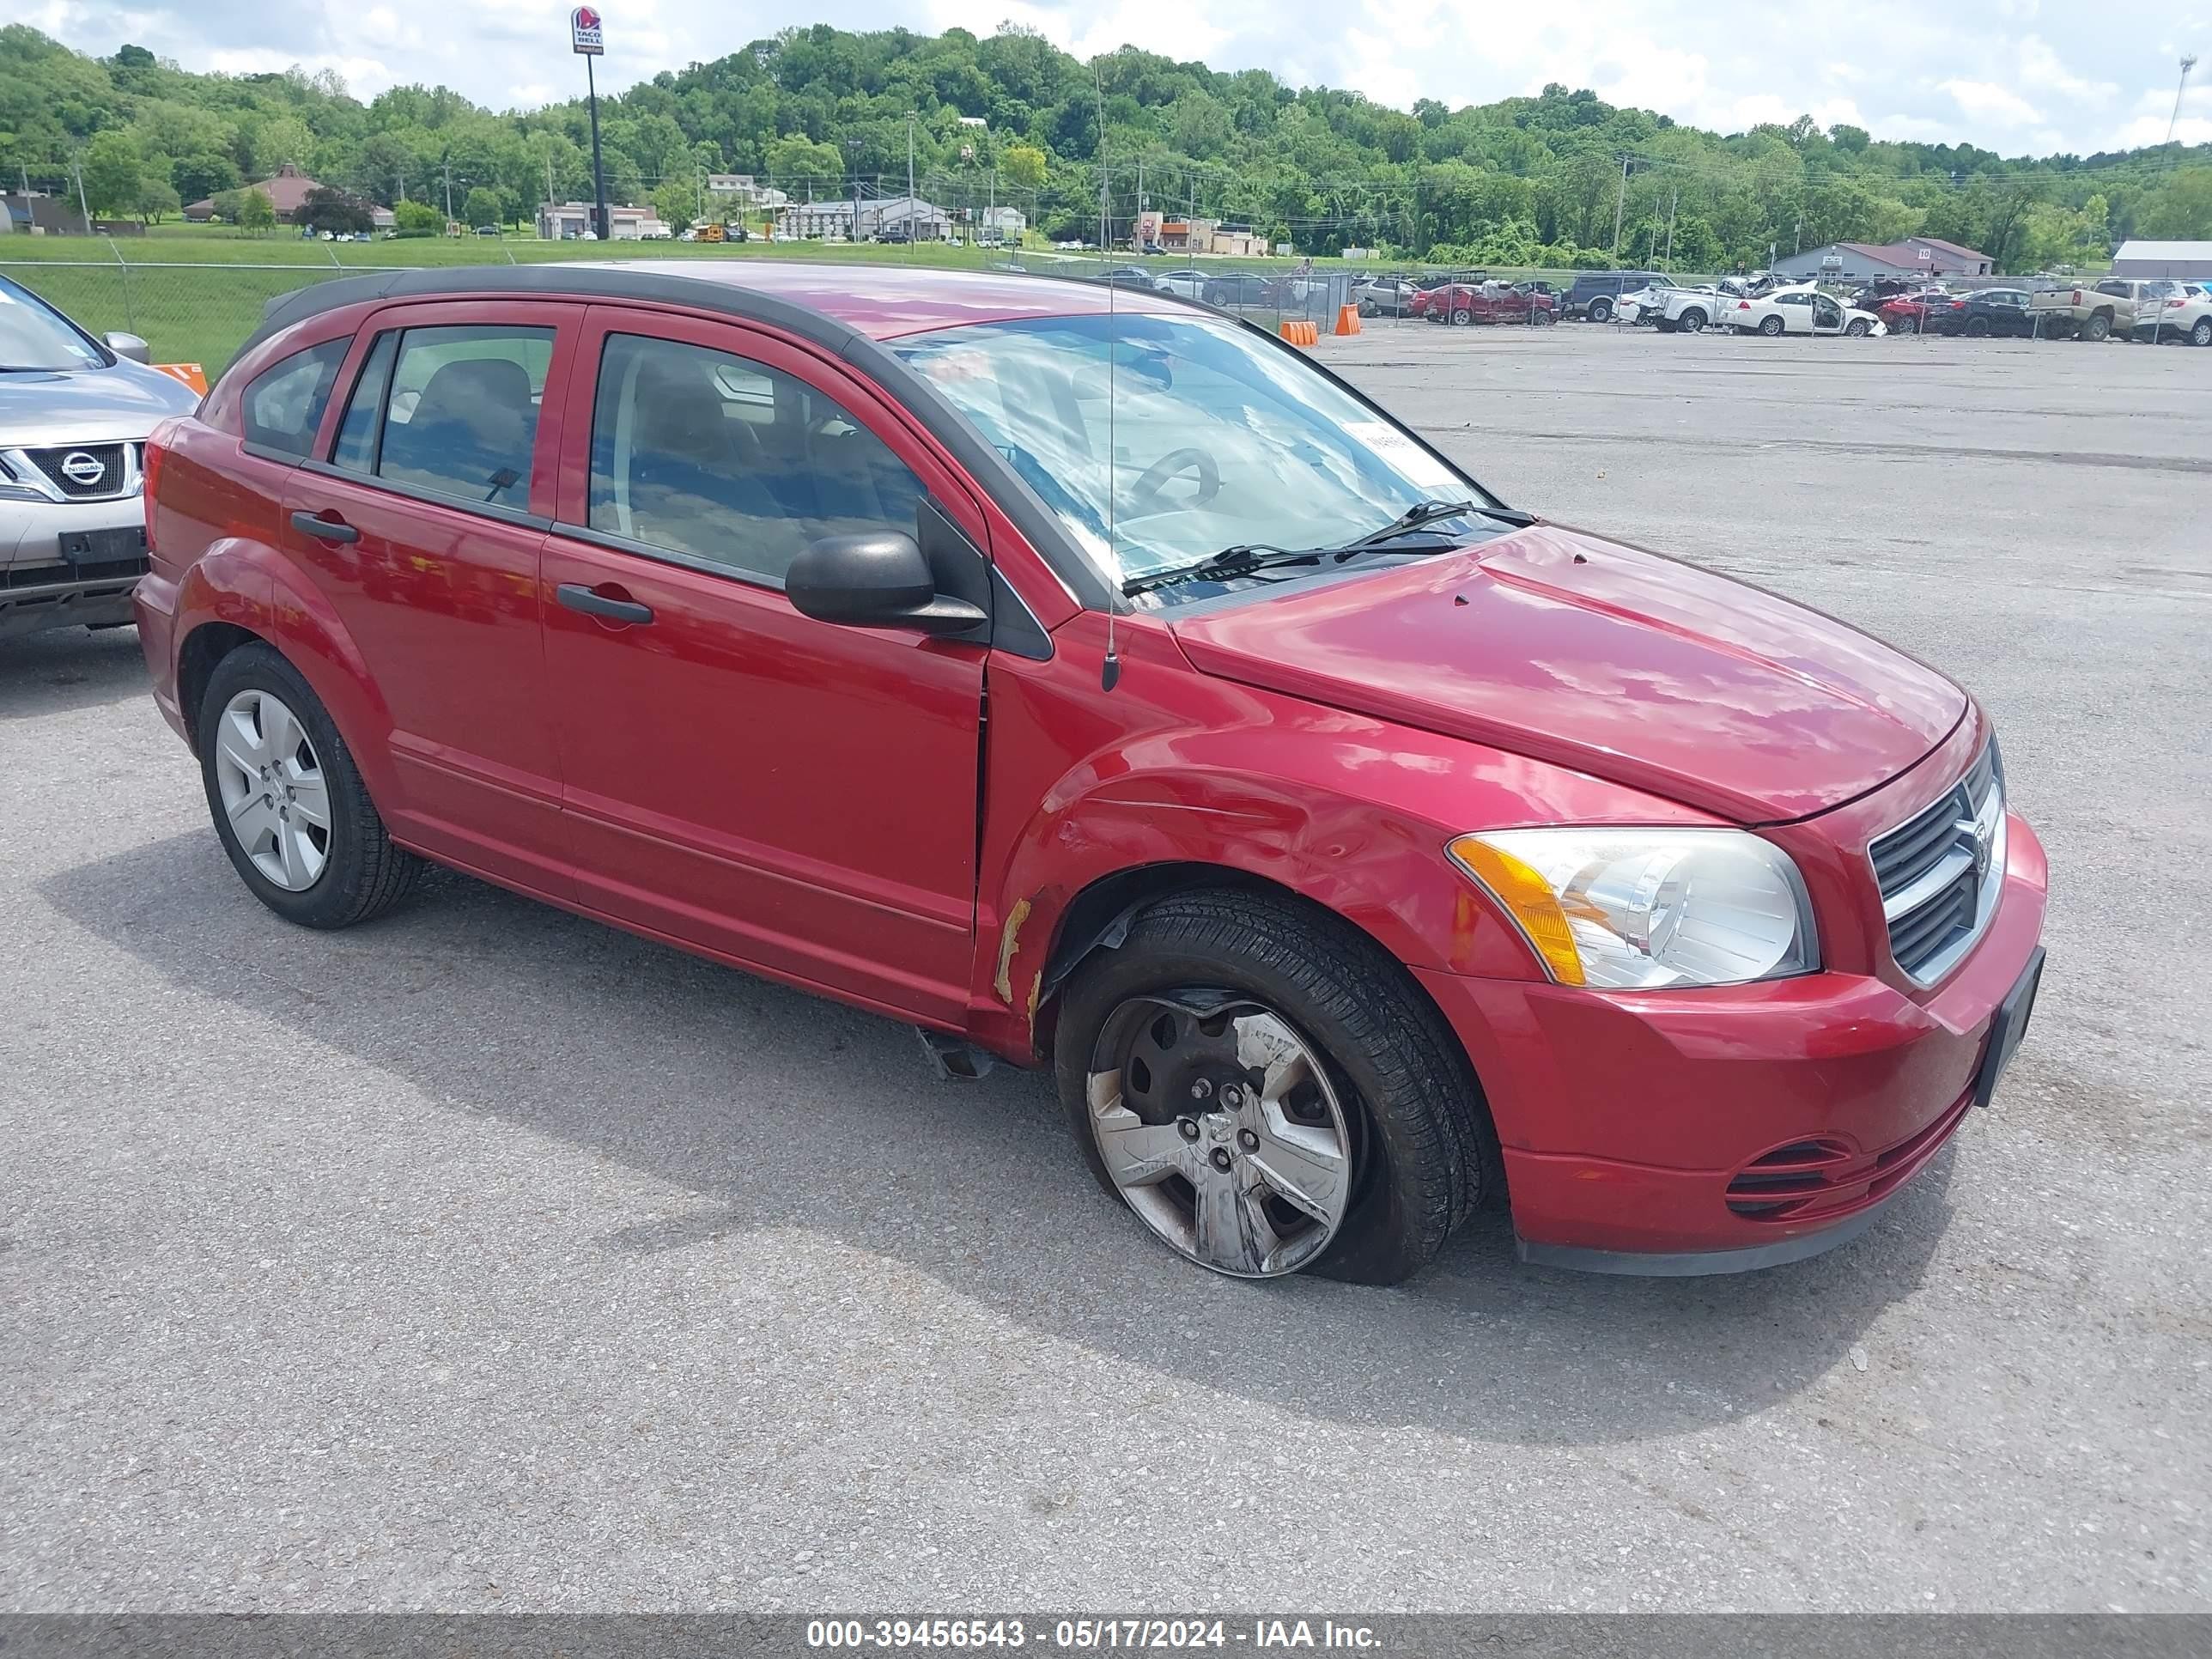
(2096, 311)
(1690, 310)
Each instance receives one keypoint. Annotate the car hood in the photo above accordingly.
(1603, 658)
(88, 405)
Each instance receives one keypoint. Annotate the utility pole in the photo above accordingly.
(447, 168)
(1673, 201)
(2188, 64)
(79, 173)
(910, 177)
(552, 202)
(1620, 206)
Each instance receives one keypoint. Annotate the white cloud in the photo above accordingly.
(1991, 105)
(2007, 75)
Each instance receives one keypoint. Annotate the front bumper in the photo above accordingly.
(1711, 1131)
(42, 587)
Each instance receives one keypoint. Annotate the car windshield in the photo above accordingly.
(34, 337)
(1218, 437)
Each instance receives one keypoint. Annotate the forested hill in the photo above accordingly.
(820, 111)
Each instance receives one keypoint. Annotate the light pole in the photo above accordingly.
(854, 145)
(2188, 62)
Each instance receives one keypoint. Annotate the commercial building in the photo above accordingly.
(832, 221)
(2183, 262)
(1179, 234)
(568, 222)
(1854, 262)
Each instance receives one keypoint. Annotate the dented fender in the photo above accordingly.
(1239, 783)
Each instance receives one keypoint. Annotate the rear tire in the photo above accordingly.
(2202, 334)
(1771, 327)
(344, 872)
(1422, 1155)
(2097, 329)
(1691, 322)
(1601, 310)
(1461, 318)
(1978, 329)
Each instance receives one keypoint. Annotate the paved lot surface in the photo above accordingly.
(485, 1258)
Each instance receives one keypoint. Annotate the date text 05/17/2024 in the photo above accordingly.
(1099, 1634)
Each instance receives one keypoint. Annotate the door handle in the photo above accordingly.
(577, 596)
(326, 529)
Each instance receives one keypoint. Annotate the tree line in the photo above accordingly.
(1559, 178)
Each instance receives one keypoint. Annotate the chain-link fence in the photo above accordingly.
(199, 311)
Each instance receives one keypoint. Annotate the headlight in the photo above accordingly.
(1639, 909)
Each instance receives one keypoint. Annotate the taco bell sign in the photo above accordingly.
(584, 33)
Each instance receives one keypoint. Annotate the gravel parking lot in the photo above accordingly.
(485, 1258)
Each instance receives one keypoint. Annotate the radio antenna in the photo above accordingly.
(1110, 672)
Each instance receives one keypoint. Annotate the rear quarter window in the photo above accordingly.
(283, 405)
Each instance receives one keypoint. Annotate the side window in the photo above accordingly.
(2117, 290)
(357, 431)
(721, 458)
(284, 405)
(461, 417)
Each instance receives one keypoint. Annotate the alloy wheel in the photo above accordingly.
(273, 790)
(1219, 1126)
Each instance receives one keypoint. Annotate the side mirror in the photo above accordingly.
(879, 579)
(129, 345)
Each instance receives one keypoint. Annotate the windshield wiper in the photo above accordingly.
(1239, 560)
(1244, 559)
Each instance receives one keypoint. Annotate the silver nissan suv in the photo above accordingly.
(75, 413)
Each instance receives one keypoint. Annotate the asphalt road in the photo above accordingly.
(485, 1258)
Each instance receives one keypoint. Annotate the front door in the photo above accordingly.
(1828, 315)
(422, 528)
(795, 794)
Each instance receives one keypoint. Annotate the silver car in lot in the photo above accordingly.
(75, 413)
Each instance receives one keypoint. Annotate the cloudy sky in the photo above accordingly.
(2019, 76)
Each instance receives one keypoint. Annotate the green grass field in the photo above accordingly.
(194, 293)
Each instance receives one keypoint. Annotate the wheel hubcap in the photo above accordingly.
(1220, 1126)
(273, 790)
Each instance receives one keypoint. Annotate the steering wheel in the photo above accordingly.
(1147, 488)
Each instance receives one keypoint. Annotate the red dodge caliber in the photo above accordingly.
(1094, 681)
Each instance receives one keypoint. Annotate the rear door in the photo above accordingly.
(795, 794)
(422, 525)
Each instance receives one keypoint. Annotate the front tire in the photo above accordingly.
(288, 801)
(1268, 1091)
(1541, 317)
(1857, 330)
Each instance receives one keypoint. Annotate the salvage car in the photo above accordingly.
(1098, 684)
(2185, 314)
(1799, 311)
(1459, 304)
(74, 413)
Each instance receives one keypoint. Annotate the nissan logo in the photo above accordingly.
(80, 466)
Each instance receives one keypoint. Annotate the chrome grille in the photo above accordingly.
(69, 468)
(1940, 870)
